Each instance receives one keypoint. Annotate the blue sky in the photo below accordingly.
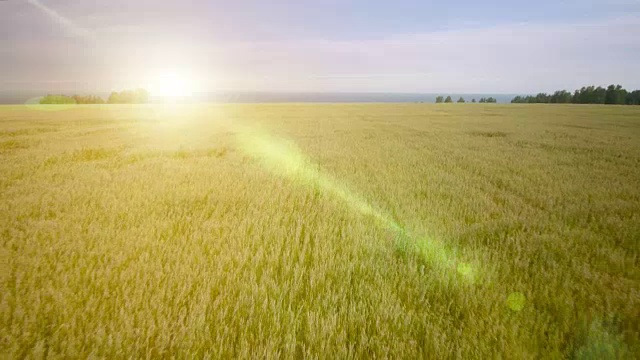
(352, 46)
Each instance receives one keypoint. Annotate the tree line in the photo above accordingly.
(441, 99)
(613, 94)
(138, 96)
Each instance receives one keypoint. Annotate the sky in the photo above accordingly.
(405, 46)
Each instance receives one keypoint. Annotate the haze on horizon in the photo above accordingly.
(320, 46)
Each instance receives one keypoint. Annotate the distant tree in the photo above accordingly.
(599, 94)
(575, 99)
(586, 95)
(461, 100)
(633, 98)
(448, 100)
(439, 99)
(621, 95)
(114, 98)
(543, 98)
(491, 100)
(57, 100)
(610, 96)
(560, 97)
(139, 96)
(89, 99)
(540, 98)
(613, 94)
(473, 100)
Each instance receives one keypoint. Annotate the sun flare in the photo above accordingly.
(172, 85)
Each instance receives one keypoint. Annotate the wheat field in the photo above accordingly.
(320, 231)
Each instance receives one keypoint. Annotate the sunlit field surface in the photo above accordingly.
(339, 231)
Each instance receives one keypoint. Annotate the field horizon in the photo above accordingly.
(261, 97)
(320, 230)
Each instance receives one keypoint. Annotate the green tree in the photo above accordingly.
(439, 99)
(114, 98)
(542, 98)
(138, 96)
(610, 96)
(448, 100)
(473, 100)
(599, 95)
(620, 95)
(560, 97)
(575, 99)
(633, 98)
(57, 100)
(141, 96)
(613, 94)
(88, 99)
(461, 100)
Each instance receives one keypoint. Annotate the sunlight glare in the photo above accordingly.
(172, 85)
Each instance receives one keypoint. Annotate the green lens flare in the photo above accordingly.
(516, 301)
(284, 159)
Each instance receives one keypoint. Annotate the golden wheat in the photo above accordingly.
(320, 231)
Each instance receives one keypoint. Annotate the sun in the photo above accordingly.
(172, 85)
